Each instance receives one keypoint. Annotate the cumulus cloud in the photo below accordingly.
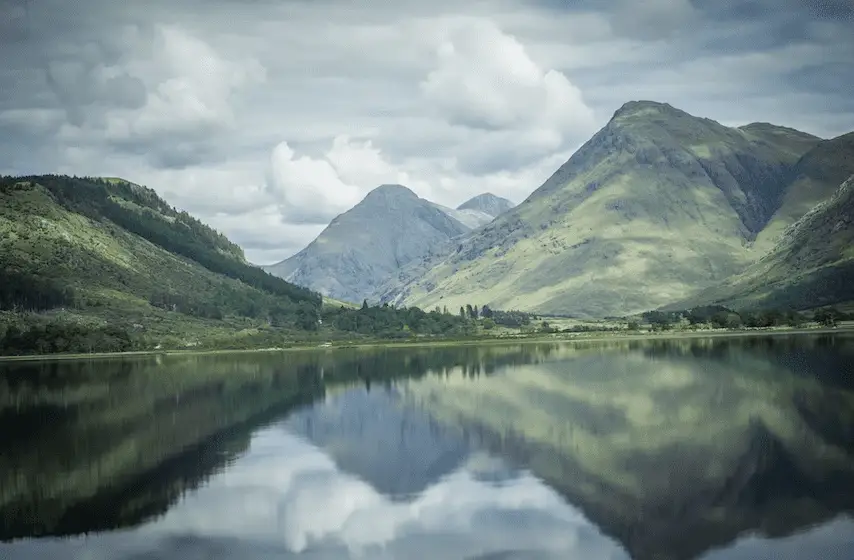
(315, 190)
(307, 504)
(170, 95)
(486, 80)
(300, 108)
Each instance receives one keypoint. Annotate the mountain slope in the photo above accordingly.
(362, 247)
(108, 254)
(811, 265)
(814, 179)
(656, 205)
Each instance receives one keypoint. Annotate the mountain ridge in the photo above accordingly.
(588, 241)
(365, 246)
(812, 264)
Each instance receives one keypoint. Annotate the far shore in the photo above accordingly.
(561, 338)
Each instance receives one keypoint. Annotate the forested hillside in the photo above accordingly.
(92, 264)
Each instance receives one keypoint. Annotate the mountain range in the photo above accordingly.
(389, 229)
(656, 207)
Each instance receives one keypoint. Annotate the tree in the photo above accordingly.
(469, 311)
(486, 312)
(633, 326)
(462, 312)
(826, 317)
(476, 314)
(488, 324)
(364, 305)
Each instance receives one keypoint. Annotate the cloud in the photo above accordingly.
(486, 80)
(169, 95)
(653, 19)
(299, 108)
(307, 504)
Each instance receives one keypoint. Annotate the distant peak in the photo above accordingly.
(392, 190)
(643, 107)
(487, 203)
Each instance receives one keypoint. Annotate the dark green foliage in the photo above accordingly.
(25, 292)
(389, 322)
(181, 234)
(661, 319)
(827, 317)
(57, 338)
(510, 318)
(705, 314)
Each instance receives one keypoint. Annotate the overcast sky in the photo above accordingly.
(268, 118)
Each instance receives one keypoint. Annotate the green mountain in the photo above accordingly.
(814, 179)
(368, 244)
(657, 205)
(111, 261)
(812, 264)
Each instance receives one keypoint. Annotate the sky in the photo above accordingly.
(265, 119)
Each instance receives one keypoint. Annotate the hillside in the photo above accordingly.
(366, 245)
(657, 205)
(814, 179)
(812, 265)
(105, 265)
(111, 257)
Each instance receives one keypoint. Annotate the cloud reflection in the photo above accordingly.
(287, 492)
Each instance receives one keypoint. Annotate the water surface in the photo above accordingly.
(714, 449)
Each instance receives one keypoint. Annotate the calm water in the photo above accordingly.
(706, 449)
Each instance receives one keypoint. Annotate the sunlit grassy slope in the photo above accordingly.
(813, 180)
(655, 206)
(810, 266)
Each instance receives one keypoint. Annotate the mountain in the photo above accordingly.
(812, 265)
(97, 264)
(814, 179)
(657, 205)
(390, 228)
(487, 203)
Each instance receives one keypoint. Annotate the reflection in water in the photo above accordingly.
(623, 450)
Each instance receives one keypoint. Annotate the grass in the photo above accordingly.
(508, 337)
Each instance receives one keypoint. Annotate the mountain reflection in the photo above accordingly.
(672, 449)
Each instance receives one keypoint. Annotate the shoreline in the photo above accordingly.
(560, 338)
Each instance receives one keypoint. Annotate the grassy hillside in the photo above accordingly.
(813, 180)
(656, 205)
(106, 265)
(812, 265)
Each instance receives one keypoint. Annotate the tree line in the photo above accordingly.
(722, 317)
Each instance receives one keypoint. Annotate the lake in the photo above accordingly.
(719, 449)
